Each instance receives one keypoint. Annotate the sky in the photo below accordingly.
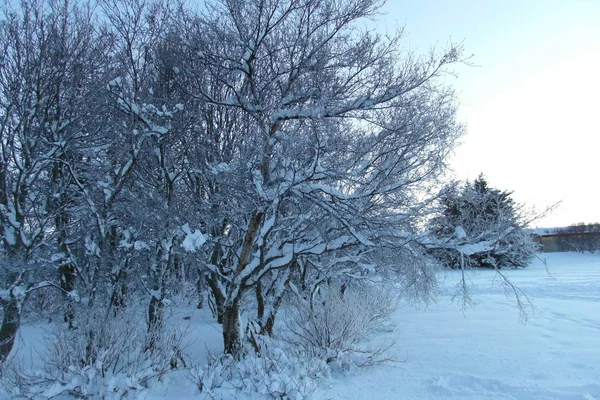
(530, 98)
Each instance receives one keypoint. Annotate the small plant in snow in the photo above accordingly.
(107, 356)
(335, 328)
(279, 372)
(15, 380)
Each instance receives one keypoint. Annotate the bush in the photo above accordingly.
(107, 356)
(279, 372)
(334, 330)
(331, 335)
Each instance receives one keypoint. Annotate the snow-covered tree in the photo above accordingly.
(266, 146)
(51, 60)
(480, 226)
(322, 140)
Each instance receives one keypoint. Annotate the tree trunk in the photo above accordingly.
(231, 329)
(213, 283)
(266, 325)
(155, 313)
(267, 328)
(260, 302)
(155, 319)
(200, 288)
(10, 325)
(117, 299)
(269, 323)
(67, 284)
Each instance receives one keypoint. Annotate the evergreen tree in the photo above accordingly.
(480, 226)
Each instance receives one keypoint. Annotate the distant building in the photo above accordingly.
(549, 239)
(580, 238)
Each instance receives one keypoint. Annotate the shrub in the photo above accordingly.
(335, 329)
(107, 356)
(279, 372)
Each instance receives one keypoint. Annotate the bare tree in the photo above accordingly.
(271, 146)
(50, 61)
(326, 138)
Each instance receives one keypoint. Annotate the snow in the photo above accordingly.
(193, 240)
(460, 233)
(474, 248)
(161, 130)
(446, 352)
(220, 168)
(12, 218)
(140, 245)
(486, 353)
(9, 235)
(115, 82)
(19, 291)
(545, 231)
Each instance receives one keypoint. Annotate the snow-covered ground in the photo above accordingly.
(445, 352)
(487, 353)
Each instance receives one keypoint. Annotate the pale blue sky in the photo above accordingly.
(532, 103)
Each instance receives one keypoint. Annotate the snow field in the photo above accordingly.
(485, 352)
(444, 351)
